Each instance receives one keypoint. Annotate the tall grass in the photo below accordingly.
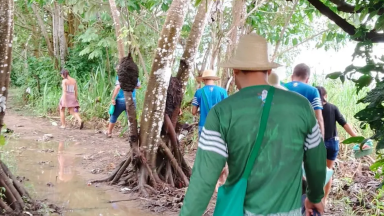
(345, 98)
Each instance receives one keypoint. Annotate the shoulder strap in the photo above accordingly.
(260, 134)
(205, 99)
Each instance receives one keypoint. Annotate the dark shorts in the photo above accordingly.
(119, 108)
(332, 146)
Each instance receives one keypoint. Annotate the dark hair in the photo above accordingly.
(322, 93)
(302, 71)
(65, 73)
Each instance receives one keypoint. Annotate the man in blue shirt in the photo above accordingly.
(299, 84)
(207, 97)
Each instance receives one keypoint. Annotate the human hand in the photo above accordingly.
(113, 102)
(180, 112)
(309, 207)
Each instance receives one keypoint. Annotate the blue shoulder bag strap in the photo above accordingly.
(205, 99)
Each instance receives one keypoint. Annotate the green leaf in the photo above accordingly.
(342, 78)
(377, 164)
(354, 140)
(2, 140)
(197, 2)
(294, 42)
(334, 75)
(380, 23)
(363, 81)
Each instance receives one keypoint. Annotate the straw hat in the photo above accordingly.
(274, 80)
(251, 54)
(208, 74)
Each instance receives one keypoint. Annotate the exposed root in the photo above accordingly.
(172, 135)
(121, 170)
(175, 164)
(109, 178)
(151, 189)
(123, 200)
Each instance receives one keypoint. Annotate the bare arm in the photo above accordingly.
(114, 94)
(319, 117)
(76, 92)
(63, 86)
(115, 91)
(349, 130)
(194, 110)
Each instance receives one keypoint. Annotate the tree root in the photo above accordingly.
(16, 183)
(123, 200)
(175, 164)
(172, 135)
(121, 170)
(109, 178)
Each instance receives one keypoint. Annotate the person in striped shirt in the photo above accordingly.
(292, 137)
(299, 84)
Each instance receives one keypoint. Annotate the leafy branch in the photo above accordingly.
(360, 34)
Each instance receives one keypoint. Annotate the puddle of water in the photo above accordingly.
(42, 167)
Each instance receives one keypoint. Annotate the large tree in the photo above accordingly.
(15, 199)
(154, 161)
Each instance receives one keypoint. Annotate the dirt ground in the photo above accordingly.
(98, 155)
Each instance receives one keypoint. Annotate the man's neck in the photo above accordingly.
(255, 78)
(295, 79)
(209, 82)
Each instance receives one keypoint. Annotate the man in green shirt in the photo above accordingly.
(292, 137)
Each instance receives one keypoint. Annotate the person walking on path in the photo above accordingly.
(331, 115)
(274, 80)
(69, 99)
(292, 136)
(118, 100)
(207, 97)
(299, 84)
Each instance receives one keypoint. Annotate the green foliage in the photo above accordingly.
(354, 140)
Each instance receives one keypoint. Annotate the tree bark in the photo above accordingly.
(154, 103)
(43, 30)
(62, 39)
(55, 34)
(12, 202)
(116, 20)
(237, 13)
(193, 42)
(6, 39)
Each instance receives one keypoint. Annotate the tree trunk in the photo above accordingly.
(71, 28)
(193, 42)
(12, 202)
(116, 21)
(154, 104)
(55, 34)
(156, 160)
(43, 30)
(61, 35)
(237, 13)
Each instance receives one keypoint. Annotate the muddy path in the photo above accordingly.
(57, 164)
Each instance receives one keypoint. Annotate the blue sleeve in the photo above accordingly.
(316, 100)
(196, 99)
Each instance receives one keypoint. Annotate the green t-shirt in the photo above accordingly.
(292, 137)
